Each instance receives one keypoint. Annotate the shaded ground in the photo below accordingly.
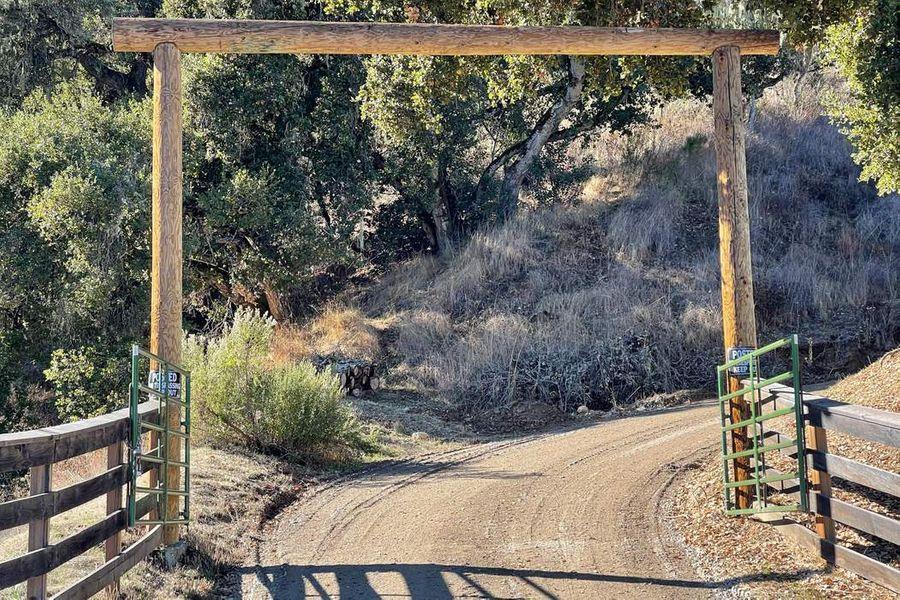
(570, 514)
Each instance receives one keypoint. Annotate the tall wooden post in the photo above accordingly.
(165, 286)
(738, 315)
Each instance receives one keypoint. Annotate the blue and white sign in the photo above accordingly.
(740, 369)
(173, 385)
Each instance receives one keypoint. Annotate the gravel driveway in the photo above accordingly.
(570, 514)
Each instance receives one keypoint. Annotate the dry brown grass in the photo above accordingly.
(233, 493)
(613, 294)
(337, 331)
(14, 542)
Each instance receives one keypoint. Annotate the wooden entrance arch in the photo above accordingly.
(168, 38)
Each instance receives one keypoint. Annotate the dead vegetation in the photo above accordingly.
(613, 294)
(708, 533)
(339, 331)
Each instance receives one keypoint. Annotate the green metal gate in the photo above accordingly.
(169, 386)
(746, 365)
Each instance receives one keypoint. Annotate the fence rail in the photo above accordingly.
(38, 450)
(821, 415)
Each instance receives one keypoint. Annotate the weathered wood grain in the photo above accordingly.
(38, 531)
(166, 240)
(53, 444)
(41, 561)
(849, 514)
(869, 568)
(865, 422)
(738, 312)
(857, 472)
(315, 37)
(113, 544)
(113, 569)
(44, 560)
(47, 504)
(820, 481)
(856, 517)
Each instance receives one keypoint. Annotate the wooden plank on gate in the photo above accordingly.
(113, 569)
(53, 444)
(856, 517)
(113, 545)
(864, 422)
(851, 560)
(857, 472)
(48, 504)
(821, 484)
(38, 534)
(41, 561)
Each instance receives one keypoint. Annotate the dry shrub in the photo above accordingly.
(423, 333)
(488, 263)
(242, 399)
(618, 297)
(337, 331)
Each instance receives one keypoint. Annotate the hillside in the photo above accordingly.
(612, 294)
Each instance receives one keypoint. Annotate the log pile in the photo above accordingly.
(356, 376)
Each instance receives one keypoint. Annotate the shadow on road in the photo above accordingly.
(429, 581)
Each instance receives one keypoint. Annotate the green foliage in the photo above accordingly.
(242, 399)
(861, 38)
(87, 382)
(865, 52)
(46, 42)
(280, 171)
(302, 169)
(74, 181)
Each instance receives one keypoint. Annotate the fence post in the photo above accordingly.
(166, 245)
(113, 544)
(821, 482)
(738, 312)
(38, 530)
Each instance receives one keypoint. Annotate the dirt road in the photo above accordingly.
(572, 514)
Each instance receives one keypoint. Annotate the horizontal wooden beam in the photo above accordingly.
(113, 569)
(37, 562)
(316, 37)
(43, 506)
(851, 515)
(46, 559)
(846, 558)
(52, 444)
(864, 422)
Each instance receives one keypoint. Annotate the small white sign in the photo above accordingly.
(173, 385)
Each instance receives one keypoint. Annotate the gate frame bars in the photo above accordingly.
(753, 389)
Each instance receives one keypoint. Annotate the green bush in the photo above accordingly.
(239, 397)
(87, 382)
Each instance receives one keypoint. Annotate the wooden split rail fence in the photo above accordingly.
(37, 451)
(870, 424)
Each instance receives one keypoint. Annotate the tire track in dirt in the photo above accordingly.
(568, 514)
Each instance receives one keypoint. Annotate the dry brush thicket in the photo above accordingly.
(615, 295)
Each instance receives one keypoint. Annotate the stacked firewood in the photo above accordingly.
(356, 376)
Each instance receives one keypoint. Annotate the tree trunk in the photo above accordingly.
(546, 126)
(275, 303)
(441, 231)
